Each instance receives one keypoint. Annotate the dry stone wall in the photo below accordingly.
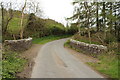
(19, 45)
(90, 48)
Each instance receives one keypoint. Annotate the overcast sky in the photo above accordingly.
(57, 10)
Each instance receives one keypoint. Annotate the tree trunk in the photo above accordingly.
(21, 32)
(79, 29)
(104, 21)
(88, 17)
(5, 22)
(14, 37)
(2, 9)
(115, 27)
(22, 18)
(97, 19)
(111, 22)
(89, 35)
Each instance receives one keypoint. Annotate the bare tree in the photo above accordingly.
(34, 8)
(88, 19)
(7, 15)
(30, 7)
(21, 24)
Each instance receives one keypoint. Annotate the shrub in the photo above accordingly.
(110, 38)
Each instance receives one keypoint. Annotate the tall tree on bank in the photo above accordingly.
(97, 16)
(33, 8)
(7, 15)
(21, 24)
(104, 20)
(117, 22)
(78, 15)
(104, 16)
(89, 17)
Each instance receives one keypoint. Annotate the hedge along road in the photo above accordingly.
(54, 61)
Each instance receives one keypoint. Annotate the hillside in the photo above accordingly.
(48, 26)
(14, 25)
(50, 23)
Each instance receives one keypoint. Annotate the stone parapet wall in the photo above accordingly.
(19, 45)
(90, 48)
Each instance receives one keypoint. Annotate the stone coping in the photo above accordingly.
(19, 45)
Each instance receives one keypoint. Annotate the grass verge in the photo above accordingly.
(46, 39)
(86, 39)
(11, 64)
(108, 64)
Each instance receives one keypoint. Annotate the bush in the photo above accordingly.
(72, 30)
(110, 38)
(56, 31)
(38, 27)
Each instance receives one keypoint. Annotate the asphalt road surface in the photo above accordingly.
(54, 61)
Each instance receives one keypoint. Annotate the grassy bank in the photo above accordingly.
(46, 39)
(11, 64)
(108, 64)
(14, 25)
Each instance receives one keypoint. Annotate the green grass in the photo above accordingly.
(51, 23)
(108, 65)
(67, 44)
(11, 64)
(14, 25)
(86, 41)
(46, 39)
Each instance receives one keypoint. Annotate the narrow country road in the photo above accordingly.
(54, 61)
